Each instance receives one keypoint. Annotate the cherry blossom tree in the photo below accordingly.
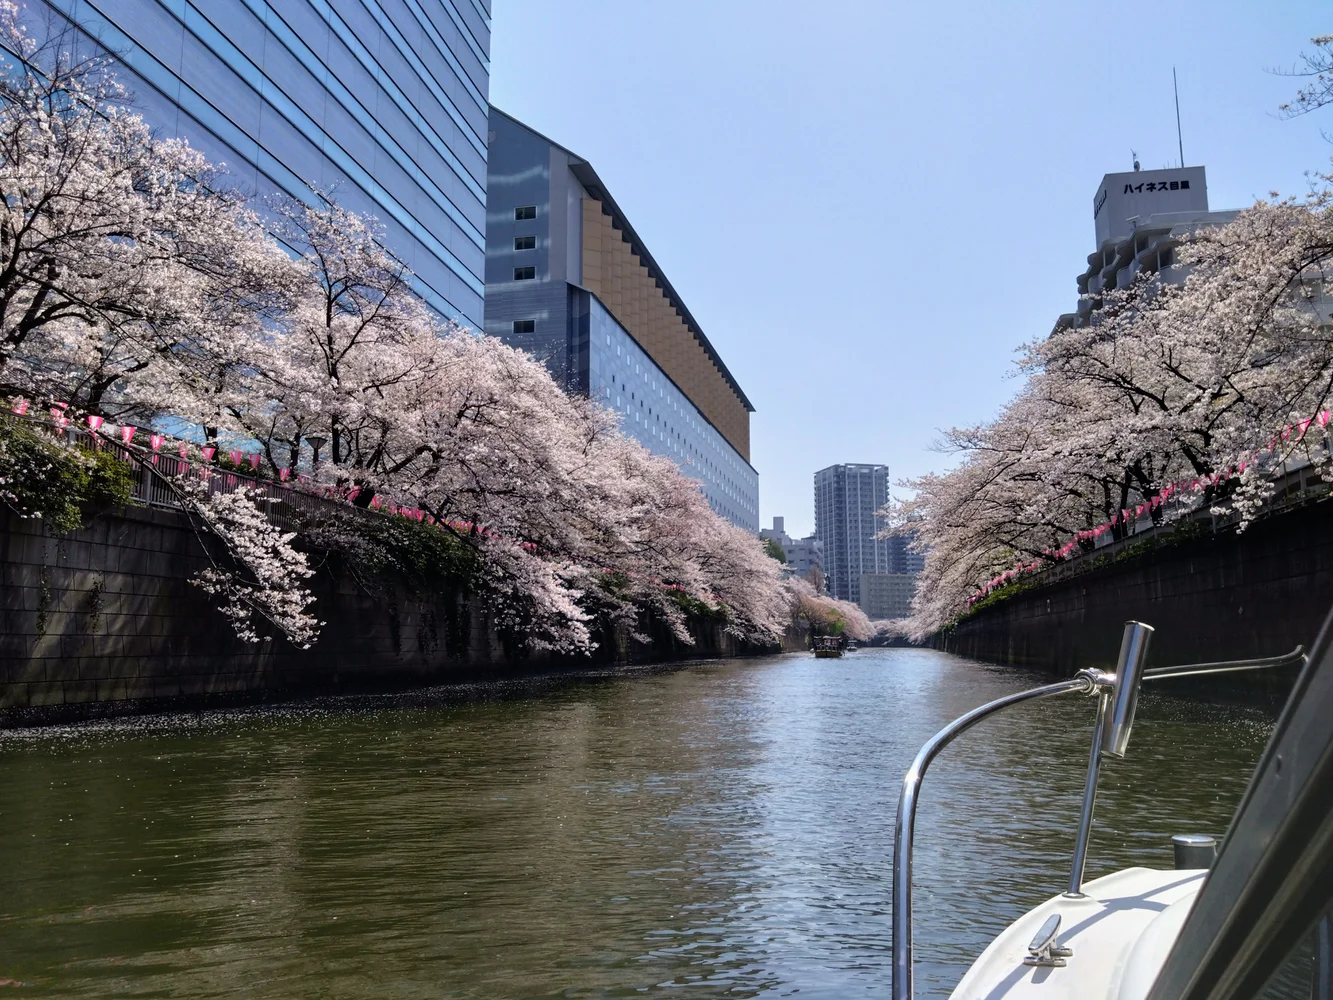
(119, 253)
(1316, 69)
(1180, 377)
(134, 283)
(266, 576)
(820, 614)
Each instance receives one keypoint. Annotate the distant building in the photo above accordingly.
(570, 281)
(887, 595)
(847, 502)
(803, 554)
(901, 557)
(1140, 218)
(778, 533)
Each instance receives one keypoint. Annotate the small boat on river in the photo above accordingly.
(827, 646)
(1250, 921)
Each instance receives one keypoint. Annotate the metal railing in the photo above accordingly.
(157, 476)
(1297, 484)
(1117, 696)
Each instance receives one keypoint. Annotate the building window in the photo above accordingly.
(524, 273)
(525, 326)
(525, 243)
(525, 212)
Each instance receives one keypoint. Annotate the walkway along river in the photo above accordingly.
(725, 828)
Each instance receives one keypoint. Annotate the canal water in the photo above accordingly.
(721, 830)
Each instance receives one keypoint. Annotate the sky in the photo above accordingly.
(870, 205)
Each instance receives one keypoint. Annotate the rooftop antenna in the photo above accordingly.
(1135, 157)
(1180, 142)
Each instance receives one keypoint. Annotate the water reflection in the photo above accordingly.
(725, 829)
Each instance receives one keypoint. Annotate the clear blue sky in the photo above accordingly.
(869, 205)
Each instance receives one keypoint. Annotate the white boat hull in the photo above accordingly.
(1120, 932)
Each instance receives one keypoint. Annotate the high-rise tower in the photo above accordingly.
(847, 501)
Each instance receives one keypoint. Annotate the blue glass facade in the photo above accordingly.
(657, 414)
(384, 100)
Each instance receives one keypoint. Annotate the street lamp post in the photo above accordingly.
(316, 441)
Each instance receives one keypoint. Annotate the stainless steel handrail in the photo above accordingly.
(905, 827)
(1297, 655)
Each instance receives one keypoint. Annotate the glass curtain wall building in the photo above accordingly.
(384, 101)
(847, 501)
(569, 281)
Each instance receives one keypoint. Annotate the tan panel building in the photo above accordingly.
(617, 273)
(569, 280)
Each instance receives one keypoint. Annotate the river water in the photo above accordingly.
(721, 830)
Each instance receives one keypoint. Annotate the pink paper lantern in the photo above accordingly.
(254, 461)
(21, 407)
(95, 422)
(156, 441)
(183, 449)
(235, 455)
(208, 453)
(283, 474)
(127, 433)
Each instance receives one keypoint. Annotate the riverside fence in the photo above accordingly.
(158, 475)
(1297, 484)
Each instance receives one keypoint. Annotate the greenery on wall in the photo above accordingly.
(42, 478)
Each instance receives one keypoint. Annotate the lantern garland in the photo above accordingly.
(1131, 515)
(95, 422)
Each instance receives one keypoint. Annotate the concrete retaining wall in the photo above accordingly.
(1217, 597)
(105, 619)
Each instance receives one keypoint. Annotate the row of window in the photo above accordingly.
(710, 459)
(522, 214)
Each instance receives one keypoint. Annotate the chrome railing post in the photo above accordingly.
(906, 823)
(1089, 799)
(1110, 735)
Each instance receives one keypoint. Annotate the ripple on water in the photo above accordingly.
(725, 828)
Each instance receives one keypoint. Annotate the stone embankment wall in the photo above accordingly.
(1215, 597)
(106, 620)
